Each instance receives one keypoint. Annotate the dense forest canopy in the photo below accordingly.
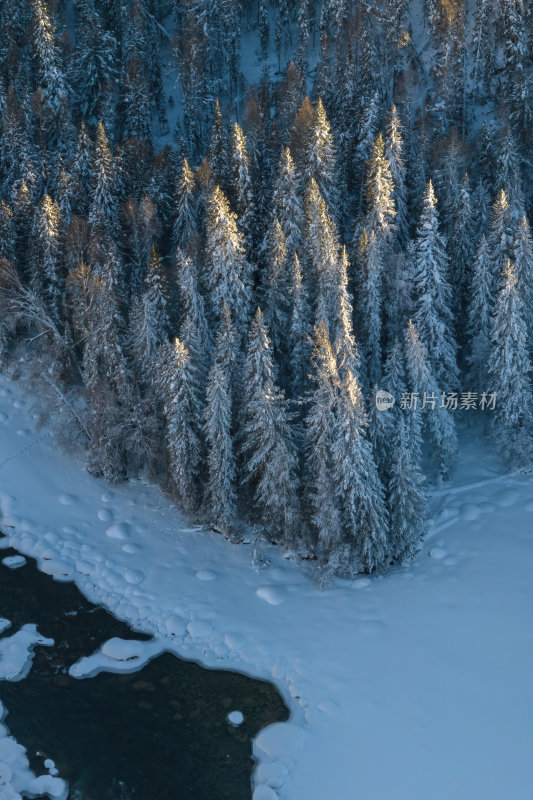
(225, 226)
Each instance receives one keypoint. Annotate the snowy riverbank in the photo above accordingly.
(409, 687)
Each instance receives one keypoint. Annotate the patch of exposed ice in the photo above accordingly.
(235, 718)
(14, 562)
(16, 652)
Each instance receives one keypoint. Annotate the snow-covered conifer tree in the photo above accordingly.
(406, 500)
(510, 369)
(220, 488)
(184, 230)
(369, 300)
(461, 246)
(300, 331)
(286, 203)
(363, 512)
(149, 323)
(379, 190)
(104, 201)
(228, 275)
(433, 316)
(523, 262)
(241, 184)
(438, 419)
(184, 423)
(267, 446)
(275, 294)
(479, 318)
(321, 157)
(194, 330)
(500, 238)
(394, 153)
(45, 265)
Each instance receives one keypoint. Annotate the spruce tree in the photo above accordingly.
(363, 512)
(299, 332)
(320, 484)
(523, 262)
(267, 446)
(321, 158)
(380, 208)
(394, 153)
(241, 181)
(228, 275)
(438, 419)
(149, 323)
(286, 203)
(46, 278)
(500, 238)
(510, 369)
(275, 294)
(183, 423)
(461, 247)
(220, 488)
(194, 330)
(479, 318)
(433, 316)
(184, 230)
(104, 202)
(405, 497)
(369, 300)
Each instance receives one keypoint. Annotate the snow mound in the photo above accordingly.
(47, 784)
(235, 640)
(175, 626)
(506, 498)
(122, 649)
(59, 570)
(235, 718)
(129, 547)
(4, 624)
(274, 595)
(68, 499)
(206, 575)
(120, 530)
(14, 562)
(280, 740)
(117, 655)
(438, 553)
(199, 628)
(16, 653)
(105, 515)
(265, 793)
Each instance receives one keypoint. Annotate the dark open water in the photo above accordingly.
(157, 734)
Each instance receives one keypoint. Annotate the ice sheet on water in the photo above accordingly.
(16, 652)
(117, 655)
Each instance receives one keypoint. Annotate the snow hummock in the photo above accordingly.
(235, 718)
(118, 655)
(14, 562)
(411, 686)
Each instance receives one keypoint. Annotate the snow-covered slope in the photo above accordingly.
(413, 686)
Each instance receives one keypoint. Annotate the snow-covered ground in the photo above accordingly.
(414, 686)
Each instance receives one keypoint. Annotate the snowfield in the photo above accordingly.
(409, 687)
